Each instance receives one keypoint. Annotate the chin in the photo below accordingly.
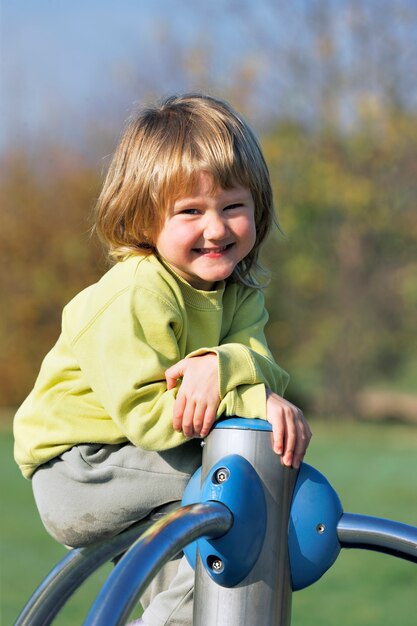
(216, 279)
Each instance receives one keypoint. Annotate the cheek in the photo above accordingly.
(173, 235)
(183, 236)
(247, 232)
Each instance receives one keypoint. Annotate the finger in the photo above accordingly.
(188, 418)
(209, 419)
(171, 383)
(278, 434)
(198, 419)
(178, 412)
(303, 440)
(173, 373)
(290, 437)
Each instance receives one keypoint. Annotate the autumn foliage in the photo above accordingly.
(48, 256)
(344, 300)
(343, 295)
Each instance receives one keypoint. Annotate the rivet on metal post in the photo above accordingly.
(215, 564)
(222, 475)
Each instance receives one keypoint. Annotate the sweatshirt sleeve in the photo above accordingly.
(123, 355)
(244, 358)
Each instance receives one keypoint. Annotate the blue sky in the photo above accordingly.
(65, 62)
(66, 65)
(60, 55)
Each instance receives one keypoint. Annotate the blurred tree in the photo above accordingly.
(344, 298)
(333, 85)
(48, 255)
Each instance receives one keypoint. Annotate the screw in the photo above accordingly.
(222, 475)
(320, 528)
(217, 566)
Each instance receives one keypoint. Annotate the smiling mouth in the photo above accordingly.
(217, 250)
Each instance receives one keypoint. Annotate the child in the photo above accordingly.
(170, 338)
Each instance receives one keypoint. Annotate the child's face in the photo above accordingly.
(206, 234)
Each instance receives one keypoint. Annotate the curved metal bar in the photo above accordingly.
(379, 535)
(153, 549)
(80, 563)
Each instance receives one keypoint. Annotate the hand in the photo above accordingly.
(290, 431)
(198, 398)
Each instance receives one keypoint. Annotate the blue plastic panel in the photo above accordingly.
(239, 549)
(312, 535)
(241, 423)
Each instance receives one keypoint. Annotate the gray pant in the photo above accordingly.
(96, 491)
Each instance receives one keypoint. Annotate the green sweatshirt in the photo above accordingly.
(104, 382)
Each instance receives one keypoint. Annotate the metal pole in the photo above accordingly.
(380, 535)
(70, 573)
(264, 596)
(160, 543)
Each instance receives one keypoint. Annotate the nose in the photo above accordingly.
(215, 227)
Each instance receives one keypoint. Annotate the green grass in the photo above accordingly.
(373, 469)
(27, 551)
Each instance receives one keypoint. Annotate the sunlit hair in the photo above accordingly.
(160, 156)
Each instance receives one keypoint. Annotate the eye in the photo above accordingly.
(189, 212)
(236, 205)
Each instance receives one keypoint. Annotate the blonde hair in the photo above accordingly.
(159, 158)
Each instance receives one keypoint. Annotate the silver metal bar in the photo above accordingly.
(264, 596)
(160, 543)
(379, 535)
(70, 573)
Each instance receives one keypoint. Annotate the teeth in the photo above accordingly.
(206, 250)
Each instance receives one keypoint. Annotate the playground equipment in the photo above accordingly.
(254, 530)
